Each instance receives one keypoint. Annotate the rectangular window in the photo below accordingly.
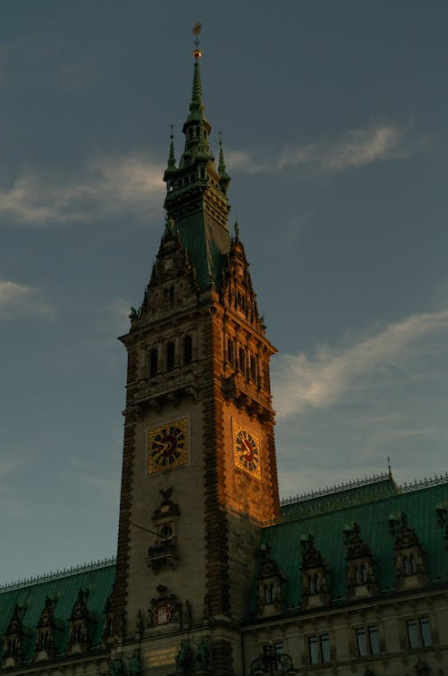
(361, 642)
(314, 650)
(325, 647)
(413, 637)
(374, 640)
(367, 641)
(319, 649)
(425, 630)
(419, 632)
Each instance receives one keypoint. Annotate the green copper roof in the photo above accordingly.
(97, 580)
(372, 516)
(345, 495)
(207, 243)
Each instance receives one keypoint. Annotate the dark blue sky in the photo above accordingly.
(334, 120)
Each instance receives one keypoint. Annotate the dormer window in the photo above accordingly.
(360, 573)
(269, 594)
(314, 585)
(409, 565)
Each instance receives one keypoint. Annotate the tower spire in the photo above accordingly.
(196, 195)
(224, 178)
(196, 94)
(171, 157)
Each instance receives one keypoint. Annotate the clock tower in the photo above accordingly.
(199, 475)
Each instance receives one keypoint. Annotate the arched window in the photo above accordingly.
(188, 349)
(166, 532)
(170, 356)
(153, 363)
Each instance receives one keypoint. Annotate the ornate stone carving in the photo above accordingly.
(46, 631)
(409, 553)
(165, 518)
(166, 608)
(360, 564)
(315, 575)
(270, 581)
(14, 636)
(80, 621)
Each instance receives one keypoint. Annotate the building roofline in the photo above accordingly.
(57, 575)
(416, 485)
(339, 488)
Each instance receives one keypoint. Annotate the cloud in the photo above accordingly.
(355, 148)
(301, 383)
(9, 465)
(107, 188)
(15, 299)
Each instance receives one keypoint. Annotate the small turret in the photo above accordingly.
(224, 178)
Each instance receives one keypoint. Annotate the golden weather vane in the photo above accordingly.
(196, 30)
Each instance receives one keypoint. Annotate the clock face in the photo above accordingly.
(168, 446)
(247, 451)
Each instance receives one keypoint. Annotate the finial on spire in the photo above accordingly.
(197, 89)
(196, 30)
(389, 467)
(171, 157)
(237, 230)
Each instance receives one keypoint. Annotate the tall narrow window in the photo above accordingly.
(230, 352)
(242, 360)
(361, 641)
(188, 349)
(253, 368)
(153, 363)
(170, 356)
(325, 647)
(374, 640)
(425, 631)
(314, 650)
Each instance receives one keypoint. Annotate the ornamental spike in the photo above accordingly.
(171, 157)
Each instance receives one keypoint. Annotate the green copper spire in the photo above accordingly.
(171, 157)
(196, 197)
(196, 93)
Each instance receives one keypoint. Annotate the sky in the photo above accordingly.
(334, 118)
